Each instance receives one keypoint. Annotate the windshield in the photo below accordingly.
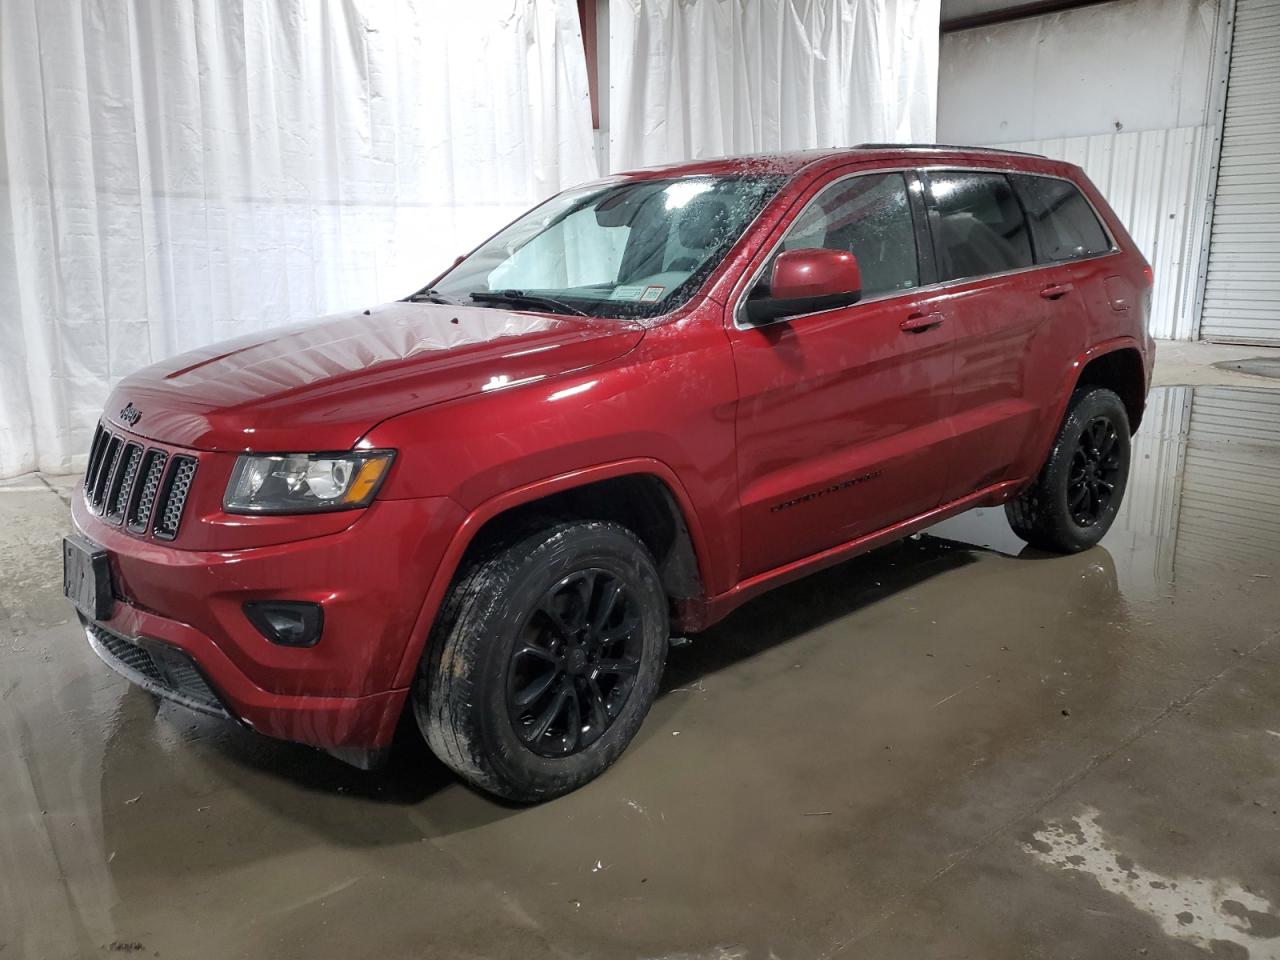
(632, 249)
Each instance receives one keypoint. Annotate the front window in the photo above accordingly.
(870, 217)
(631, 249)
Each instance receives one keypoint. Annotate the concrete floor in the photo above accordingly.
(1194, 363)
(953, 747)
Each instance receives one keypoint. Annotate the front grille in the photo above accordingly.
(110, 460)
(127, 482)
(128, 654)
(95, 458)
(163, 669)
(174, 498)
(122, 483)
(145, 496)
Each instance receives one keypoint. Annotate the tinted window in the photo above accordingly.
(1062, 222)
(978, 225)
(870, 217)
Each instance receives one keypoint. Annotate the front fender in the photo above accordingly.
(530, 493)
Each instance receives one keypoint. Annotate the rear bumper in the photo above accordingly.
(340, 695)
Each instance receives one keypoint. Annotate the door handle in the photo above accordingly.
(920, 322)
(1056, 291)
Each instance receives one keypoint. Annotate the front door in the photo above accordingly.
(841, 418)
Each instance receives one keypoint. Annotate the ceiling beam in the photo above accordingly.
(1017, 11)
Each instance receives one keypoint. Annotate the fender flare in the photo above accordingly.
(1072, 379)
(519, 496)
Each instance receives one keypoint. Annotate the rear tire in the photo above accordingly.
(545, 660)
(1074, 500)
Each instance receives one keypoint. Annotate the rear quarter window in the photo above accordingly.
(1063, 223)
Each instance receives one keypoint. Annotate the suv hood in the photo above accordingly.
(322, 385)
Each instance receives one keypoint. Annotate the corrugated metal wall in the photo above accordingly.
(1230, 505)
(1146, 526)
(1204, 489)
(1154, 180)
(1150, 501)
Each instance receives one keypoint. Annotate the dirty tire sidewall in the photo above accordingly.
(460, 696)
(1041, 514)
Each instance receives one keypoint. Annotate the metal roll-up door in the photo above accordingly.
(1242, 288)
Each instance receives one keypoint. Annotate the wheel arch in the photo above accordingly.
(1119, 369)
(643, 495)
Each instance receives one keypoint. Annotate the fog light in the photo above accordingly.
(290, 623)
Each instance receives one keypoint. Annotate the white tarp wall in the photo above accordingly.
(707, 78)
(177, 173)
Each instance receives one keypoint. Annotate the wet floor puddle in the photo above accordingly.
(1204, 912)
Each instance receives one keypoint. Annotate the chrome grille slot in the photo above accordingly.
(173, 497)
(110, 459)
(95, 457)
(122, 486)
(144, 500)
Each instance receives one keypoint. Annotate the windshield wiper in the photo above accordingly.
(428, 296)
(519, 297)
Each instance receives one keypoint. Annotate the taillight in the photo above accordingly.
(1149, 274)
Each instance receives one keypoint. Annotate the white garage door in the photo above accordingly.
(1242, 290)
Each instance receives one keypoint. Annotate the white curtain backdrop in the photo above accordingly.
(707, 78)
(174, 173)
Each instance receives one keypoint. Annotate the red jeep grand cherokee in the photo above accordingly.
(644, 402)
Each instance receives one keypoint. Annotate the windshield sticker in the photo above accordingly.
(626, 293)
(652, 293)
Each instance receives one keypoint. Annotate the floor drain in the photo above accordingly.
(1258, 366)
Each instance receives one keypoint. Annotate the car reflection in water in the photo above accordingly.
(1203, 497)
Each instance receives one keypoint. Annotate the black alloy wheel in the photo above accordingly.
(1095, 471)
(545, 658)
(576, 664)
(1074, 499)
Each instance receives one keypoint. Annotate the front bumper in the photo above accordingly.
(158, 667)
(341, 695)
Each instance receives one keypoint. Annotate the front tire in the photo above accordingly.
(545, 661)
(1074, 500)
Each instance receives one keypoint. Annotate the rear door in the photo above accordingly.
(842, 413)
(1071, 242)
(1013, 323)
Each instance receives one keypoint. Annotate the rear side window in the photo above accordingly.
(870, 217)
(978, 227)
(1063, 224)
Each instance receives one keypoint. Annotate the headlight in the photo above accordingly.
(305, 482)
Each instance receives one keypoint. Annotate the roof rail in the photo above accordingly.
(943, 146)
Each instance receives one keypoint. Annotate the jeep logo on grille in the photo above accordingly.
(130, 414)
